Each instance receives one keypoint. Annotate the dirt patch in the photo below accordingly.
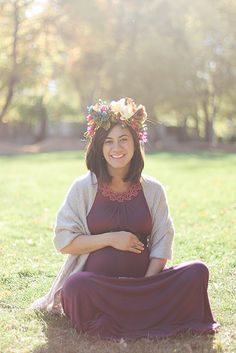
(74, 144)
(48, 145)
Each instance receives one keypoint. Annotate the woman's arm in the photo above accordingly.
(122, 240)
(155, 266)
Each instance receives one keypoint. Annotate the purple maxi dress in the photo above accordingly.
(112, 298)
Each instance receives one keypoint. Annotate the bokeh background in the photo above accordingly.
(178, 58)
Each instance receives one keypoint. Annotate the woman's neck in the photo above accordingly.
(119, 185)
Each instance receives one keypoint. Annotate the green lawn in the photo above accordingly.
(201, 189)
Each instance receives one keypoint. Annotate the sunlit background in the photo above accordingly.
(178, 58)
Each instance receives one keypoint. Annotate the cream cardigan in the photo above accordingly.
(71, 222)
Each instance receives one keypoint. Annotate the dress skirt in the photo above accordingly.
(111, 298)
(163, 305)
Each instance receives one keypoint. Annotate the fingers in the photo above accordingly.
(138, 244)
(136, 240)
(136, 251)
(137, 247)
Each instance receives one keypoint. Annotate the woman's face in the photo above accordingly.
(118, 150)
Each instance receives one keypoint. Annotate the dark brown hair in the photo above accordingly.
(97, 164)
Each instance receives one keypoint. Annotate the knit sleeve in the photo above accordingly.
(160, 242)
(68, 221)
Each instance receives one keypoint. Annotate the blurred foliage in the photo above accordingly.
(178, 58)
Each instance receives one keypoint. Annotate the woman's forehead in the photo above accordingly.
(118, 131)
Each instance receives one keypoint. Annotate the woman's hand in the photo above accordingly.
(126, 241)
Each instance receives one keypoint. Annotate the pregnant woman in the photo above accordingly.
(116, 227)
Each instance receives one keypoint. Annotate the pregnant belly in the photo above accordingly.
(116, 263)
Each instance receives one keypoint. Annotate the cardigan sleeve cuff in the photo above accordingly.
(163, 248)
(62, 240)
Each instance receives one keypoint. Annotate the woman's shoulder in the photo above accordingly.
(151, 183)
(84, 186)
(87, 180)
(154, 191)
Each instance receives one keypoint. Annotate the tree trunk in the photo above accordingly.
(196, 121)
(43, 120)
(182, 134)
(209, 132)
(13, 76)
(43, 128)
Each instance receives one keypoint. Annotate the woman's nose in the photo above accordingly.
(116, 145)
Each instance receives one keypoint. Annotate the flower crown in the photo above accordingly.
(125, 112)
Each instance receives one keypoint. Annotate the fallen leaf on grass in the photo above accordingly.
(4, 294)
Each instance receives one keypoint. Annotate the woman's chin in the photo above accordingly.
(118, 165)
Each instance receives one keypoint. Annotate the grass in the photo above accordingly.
(201, 193)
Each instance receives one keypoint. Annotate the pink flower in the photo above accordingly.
(103, 108)
(89, 118)
(90, 130)
(143, 136)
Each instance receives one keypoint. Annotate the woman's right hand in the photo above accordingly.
(126, 241)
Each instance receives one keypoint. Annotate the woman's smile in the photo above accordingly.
(117, 157)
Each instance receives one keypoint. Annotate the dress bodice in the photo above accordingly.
(119, 212)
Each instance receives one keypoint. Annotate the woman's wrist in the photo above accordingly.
(156, 265)
(108, 239)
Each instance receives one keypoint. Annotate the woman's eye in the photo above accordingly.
(107, 142)
(124, 140)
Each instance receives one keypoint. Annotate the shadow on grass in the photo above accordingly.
(61, 338)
